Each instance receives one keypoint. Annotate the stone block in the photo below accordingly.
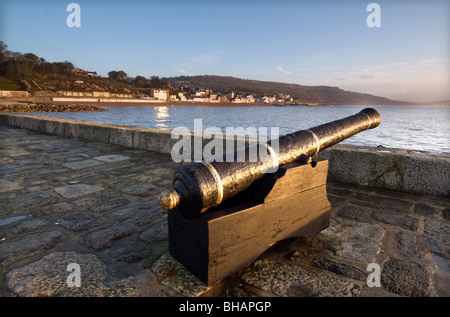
(105, 238)
(28, 245)
(4, 119)
(109, 205)
(427, 174)
(174, 275)
(351, 212)
(55, 127)
(111, 158)
(153, 140)
(17, 121)
(121, 136)
(156, 232)
(285, 280)
(402, 221)
(72, 191)
(407, 278)
(130, 254)
(339, 268)
(78, 221)
(85, 132)
(6, 185)
(367, 166)
(68, 130)
(40, 125)
(30, 123)
(446, 213)
(437, 230)
(9, 220)
(407, 244)
(30, 225)
(82, 164)
(48, 277)
(423, 209)
(351, 240)
(101, 133)
(398, 169)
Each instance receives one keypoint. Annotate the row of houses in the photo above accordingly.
(158, 94)
(14, 93)
(211, 97)
(190, 94)
(162, 95)
(95, 94)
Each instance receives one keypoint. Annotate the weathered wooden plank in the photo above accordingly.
(238, 239)
(291, 179)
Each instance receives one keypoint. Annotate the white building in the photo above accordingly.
(161, 94)
(13, 93)
(182, 96)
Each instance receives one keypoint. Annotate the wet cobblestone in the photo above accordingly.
(70, 201)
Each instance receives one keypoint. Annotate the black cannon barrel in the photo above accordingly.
(202, 185)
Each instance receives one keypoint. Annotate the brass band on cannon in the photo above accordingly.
(225, 212)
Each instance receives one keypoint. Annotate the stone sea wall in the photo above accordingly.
(417, 172)
(394, 169)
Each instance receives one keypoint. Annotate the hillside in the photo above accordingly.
(32, 73)
(310, 94)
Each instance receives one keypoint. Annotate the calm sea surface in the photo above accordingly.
(424, 128)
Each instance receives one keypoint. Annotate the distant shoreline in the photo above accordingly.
(154, 104)
(45, 101)
(208, 104)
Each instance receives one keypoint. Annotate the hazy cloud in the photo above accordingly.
(366, 74)
(281, 69)
(207, 58)
(367, 68)
(183, 71)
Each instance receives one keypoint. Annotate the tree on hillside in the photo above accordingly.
(18, 67)
(32, 58)
(112, 75)
(157, 83)
(3, 50)
(117, 75)
(140, 81)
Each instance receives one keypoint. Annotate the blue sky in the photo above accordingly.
(302, 42)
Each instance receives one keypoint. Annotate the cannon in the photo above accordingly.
(224, 213)
(202, 185)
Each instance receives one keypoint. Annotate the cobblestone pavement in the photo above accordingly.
(66, 201)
